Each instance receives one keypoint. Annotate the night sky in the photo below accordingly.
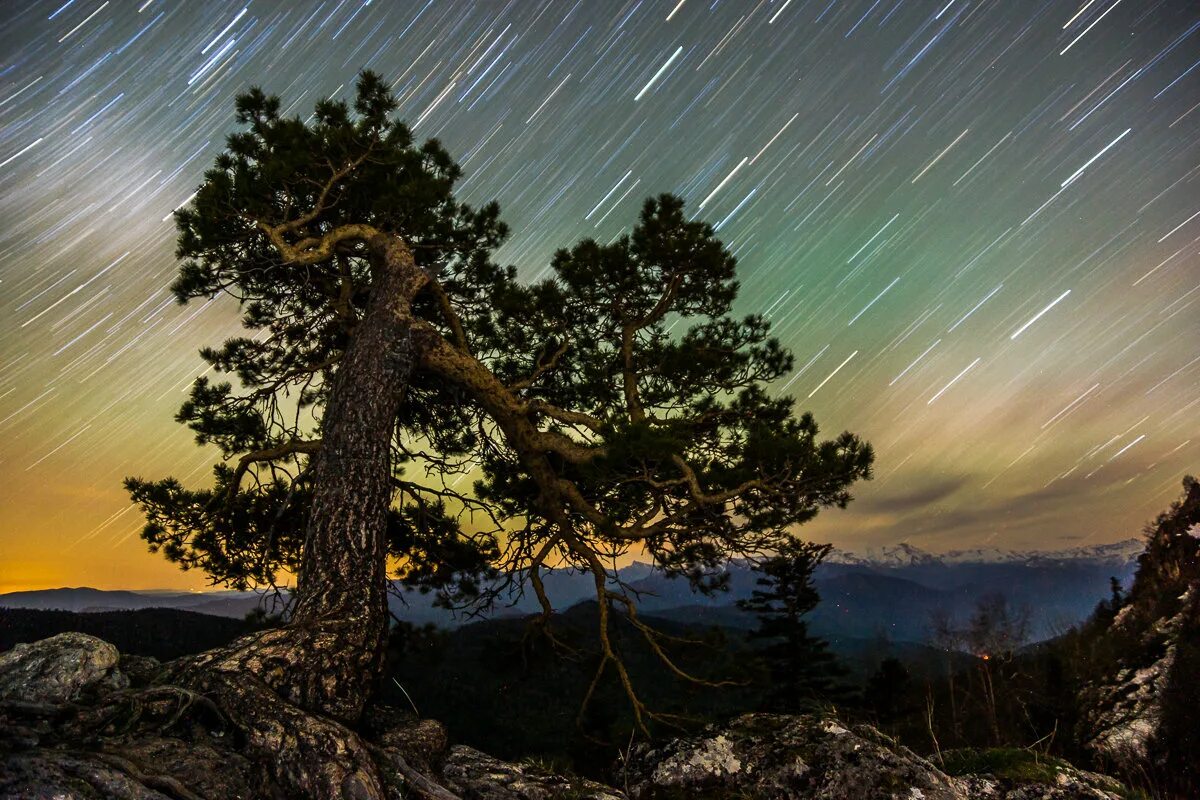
(975, 222)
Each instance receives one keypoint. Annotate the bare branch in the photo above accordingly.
(319, 207)
(633, 400)
(541, 368)
(270, 454)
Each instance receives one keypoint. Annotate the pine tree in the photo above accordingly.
(616, 404)
(800, 667)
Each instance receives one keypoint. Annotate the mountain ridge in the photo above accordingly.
(905, 554)
(890, 591)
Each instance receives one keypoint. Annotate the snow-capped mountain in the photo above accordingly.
(890, 557)
(907, 555)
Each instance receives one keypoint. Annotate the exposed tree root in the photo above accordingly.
(306, 755)
(163, 783)
(220, 724)
(420, 783)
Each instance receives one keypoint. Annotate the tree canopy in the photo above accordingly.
(616, 406)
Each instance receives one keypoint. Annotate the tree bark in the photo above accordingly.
(343, 583)
(296, 692)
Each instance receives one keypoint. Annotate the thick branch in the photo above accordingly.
(314, 250)
(319, 207)
(456, 328)
(565, 416)
(702, 497)
(500, 403)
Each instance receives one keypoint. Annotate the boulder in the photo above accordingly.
(421, 742)
(785, 758)
(1024, 775)
(59, 669)
(812, 757)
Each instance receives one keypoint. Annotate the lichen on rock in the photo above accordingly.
(59, 669)
(786, 758)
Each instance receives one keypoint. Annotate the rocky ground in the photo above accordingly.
(78, 720)
(801, 757)
(1125, 715)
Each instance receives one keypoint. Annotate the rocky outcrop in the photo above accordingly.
(1125, 715)
(779, 757)
(79, 722)
(785, 757)
(150, 768)
(71, 709)
(1140, 717)
(476, 776)
(59, 669)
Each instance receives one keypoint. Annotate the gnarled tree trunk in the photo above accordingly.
(343, 581)
(295, 692)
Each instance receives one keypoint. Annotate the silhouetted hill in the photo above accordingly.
(163, 633)
(860, 651)
(860, 601)
(889, 594)
(84, 598)
(500, 684)
(856, 604)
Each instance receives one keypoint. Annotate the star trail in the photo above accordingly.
(976, 224)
